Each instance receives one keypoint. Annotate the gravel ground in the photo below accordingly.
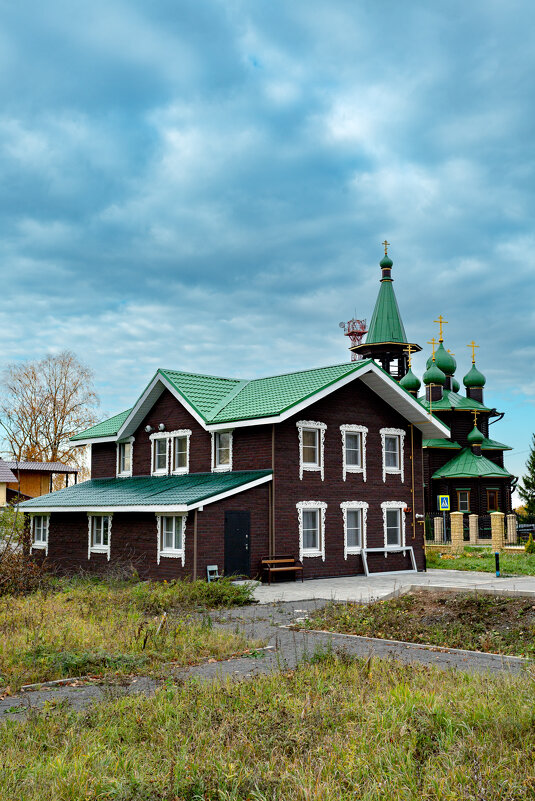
(285, 649)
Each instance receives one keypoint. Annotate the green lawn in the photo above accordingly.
(482, 559)
(332, 730)
(467, 620)
(76, 627)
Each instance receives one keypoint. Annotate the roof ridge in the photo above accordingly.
(199, 375)
(228, 398)
(350, 365)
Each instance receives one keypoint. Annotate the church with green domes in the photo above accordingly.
(469, 465)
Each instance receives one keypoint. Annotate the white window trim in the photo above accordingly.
(226, 467)
(153, 437)
(321, 428)
(351, 468)
(98, 548)
(393, 432)
(321, 507)
(39, 546)
(401, 505)
(350, 505)
(181, 432)
(171, 554)
(127, 473)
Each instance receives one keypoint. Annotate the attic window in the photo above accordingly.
(124, 458)
(221, 451)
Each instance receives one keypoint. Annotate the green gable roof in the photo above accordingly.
(106, 493)
(452, 400)
(467, 465)
(108, 428)
(204, 392)
(386, 324)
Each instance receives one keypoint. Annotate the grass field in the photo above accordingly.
(482, 559)
(89, 627)
(473, 621)
(332, 729)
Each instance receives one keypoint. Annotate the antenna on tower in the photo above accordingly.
(355, 330)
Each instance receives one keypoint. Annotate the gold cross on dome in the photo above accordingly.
(441, 321)
(475, 413)
(410, 350)
(473, 346)
(451, 354)
(387, 245)
(434, 343)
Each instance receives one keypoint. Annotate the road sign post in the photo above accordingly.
(444, 506)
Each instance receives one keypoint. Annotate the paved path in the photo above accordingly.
(366, 588)
(270, 620)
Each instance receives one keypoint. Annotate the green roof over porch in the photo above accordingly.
(467, 465)
(148, 493)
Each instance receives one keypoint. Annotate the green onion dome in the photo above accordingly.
(475, 437)
(386, 262)
(474, 378)
(410, 382)
(455, 385)
(445, 360)
(434, 375)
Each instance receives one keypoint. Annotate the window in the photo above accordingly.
(40, 532)
(171, 536)
(354, 513)
(392, 441)
(492, 500)
(394, 523)
(311, 528)
(222, 450)
(99, 535)
(170, 448)
(311, 446)
(180, 451)
(124, 458)
(354, 449)
(463, 500)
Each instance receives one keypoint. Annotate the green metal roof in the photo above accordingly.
(493, 445)
(108, 428)
(386, 324)
(170, 491)
(452, 400)
(204, 392)
(467, 465)
(441, 443)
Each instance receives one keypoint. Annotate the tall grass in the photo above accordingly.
(335, 729)
(482, 559)
(105, 628)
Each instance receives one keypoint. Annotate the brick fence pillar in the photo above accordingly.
(457, 532)
(511, 529)
(438, 530)
(497, 530)
(474, 528)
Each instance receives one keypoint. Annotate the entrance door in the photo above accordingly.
(237, 530)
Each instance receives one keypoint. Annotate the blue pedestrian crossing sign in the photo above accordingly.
(444, 503)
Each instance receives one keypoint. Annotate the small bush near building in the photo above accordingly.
(529, 547)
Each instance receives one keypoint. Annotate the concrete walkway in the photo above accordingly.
(367, 588)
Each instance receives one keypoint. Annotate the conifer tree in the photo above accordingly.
(526, 490)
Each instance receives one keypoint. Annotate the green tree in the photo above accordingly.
(526, 490)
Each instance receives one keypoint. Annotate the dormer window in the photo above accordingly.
(124, 458)
(180, 451)
(311, 446)
(159, 454)
(221, 451)
(392, 442)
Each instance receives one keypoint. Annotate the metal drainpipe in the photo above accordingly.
(195, 544)
(273, 489)
(412, 483)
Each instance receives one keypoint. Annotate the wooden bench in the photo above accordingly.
(281, 564)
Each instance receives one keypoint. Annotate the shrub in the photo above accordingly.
(529, 547)
(12, 524)
(19, 573)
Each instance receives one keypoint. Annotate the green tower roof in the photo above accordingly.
(474, 378)
(386, 325)
(410, 382)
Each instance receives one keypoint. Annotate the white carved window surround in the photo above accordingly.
(392, 442)
(354, 512)
(99, 534)
(125, 458)
(167, 452)
(394, 524)
(221, 451)
(311, 515)
(311, 446)
(171, 537)
(39, 533)
(354, 461)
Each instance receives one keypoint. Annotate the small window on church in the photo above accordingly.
(463, 500)
(492, 500)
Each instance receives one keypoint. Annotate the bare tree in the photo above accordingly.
(43, 404)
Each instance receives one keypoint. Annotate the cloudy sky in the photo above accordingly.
(205, 185)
